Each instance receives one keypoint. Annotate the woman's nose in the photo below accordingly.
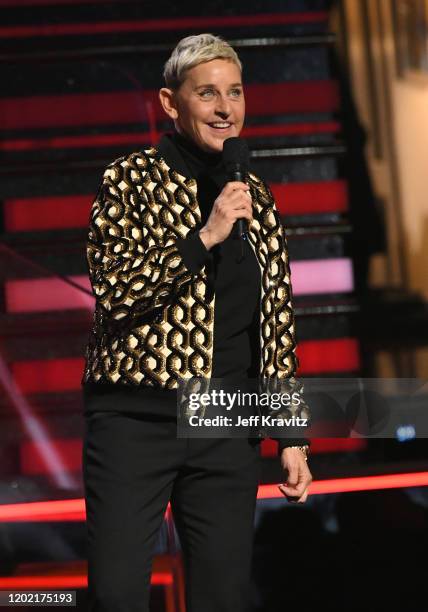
(223, 106)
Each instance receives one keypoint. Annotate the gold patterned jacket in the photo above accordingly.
(153, 322)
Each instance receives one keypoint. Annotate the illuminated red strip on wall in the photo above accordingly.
(292, 97)
(133, 107)
(358, 483)
(322, 356)
(158, 25)
(47, 212)
(72, 509)
(57, 212)
(69, 451)
(64, 581)
(47, 294)
(50, 294)
(76, 142)
(50, 375)
(143, 138)
(311, 198)
(45, 511)
(19, 3)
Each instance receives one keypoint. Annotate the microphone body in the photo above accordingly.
(236, 157)
(238, 174)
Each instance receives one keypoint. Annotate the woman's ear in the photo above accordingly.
(167, 99)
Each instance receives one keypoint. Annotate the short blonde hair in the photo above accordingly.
(194, 50)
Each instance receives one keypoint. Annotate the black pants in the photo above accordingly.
(132, 466)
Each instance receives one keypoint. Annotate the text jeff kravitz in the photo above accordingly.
(252, 421)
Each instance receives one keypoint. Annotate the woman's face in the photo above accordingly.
(210, 104)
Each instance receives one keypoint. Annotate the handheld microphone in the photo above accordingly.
(236, 159)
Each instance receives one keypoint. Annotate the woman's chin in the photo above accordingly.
(213, 147)
(215, 144)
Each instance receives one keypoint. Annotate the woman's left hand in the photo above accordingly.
(299, 477)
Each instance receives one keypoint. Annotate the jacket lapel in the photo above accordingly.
(171, 161)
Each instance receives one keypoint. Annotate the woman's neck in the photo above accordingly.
(200, 156)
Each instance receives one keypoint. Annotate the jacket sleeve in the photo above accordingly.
(287, 359)
(133, 268)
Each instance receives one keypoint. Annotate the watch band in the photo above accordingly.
(304, 449)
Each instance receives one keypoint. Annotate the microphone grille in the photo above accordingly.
(236, 152)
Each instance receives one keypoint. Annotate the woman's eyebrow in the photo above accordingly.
(212, 85)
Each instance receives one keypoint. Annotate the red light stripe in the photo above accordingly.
(66, 581)
(68, 449)
(29, 214)
(70, 110)
(38, 511)
(359, 483)
(292, 97)
(44, 376)
(54, 293)
(75, 142)
(141, 138)
(20, 3)
(45, 510)
(314, 197)
(76, 109)
(158, 25)
(48, 294)
(316, 356)
(338, 355)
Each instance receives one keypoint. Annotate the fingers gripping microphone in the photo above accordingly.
(236, 158)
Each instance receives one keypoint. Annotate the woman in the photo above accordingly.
(174, 302)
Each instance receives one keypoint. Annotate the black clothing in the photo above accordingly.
(132, 466)
(236, 284)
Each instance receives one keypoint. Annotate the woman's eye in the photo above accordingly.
(236, 92)
(207, 93)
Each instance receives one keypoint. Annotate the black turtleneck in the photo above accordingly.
(237, 285)
(235, 280)
(196, 159)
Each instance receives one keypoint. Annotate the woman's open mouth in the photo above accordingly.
(220, 126)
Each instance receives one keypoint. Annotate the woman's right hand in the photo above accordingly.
(234, 202)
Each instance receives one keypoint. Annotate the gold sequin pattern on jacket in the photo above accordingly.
(153, 323)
